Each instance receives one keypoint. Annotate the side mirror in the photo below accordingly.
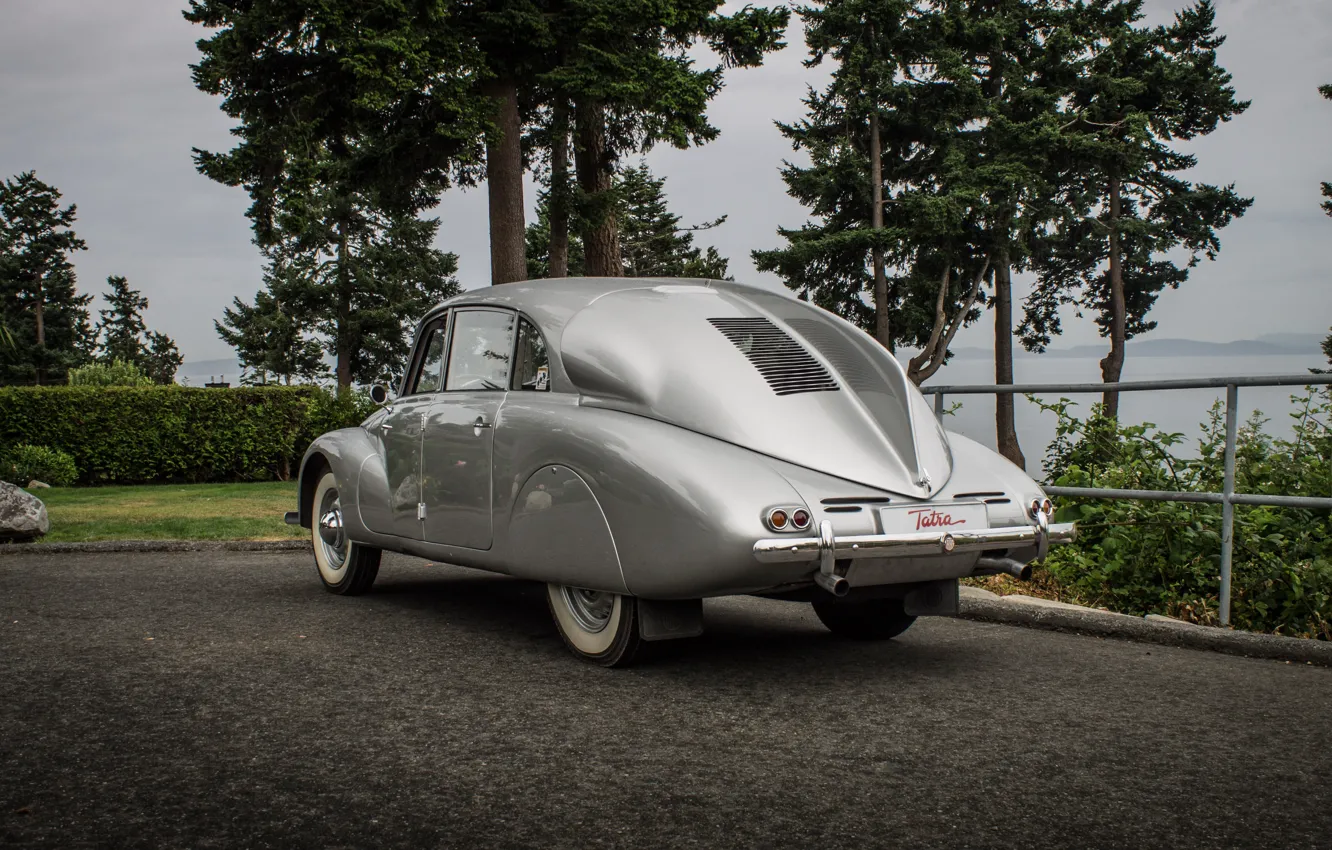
(379, 394)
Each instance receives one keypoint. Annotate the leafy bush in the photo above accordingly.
(1164, 557)
(23, 463)
(117, 373)
(136, 435)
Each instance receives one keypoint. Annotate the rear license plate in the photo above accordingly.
(945, 516)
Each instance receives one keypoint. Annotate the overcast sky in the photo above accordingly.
(97, 98)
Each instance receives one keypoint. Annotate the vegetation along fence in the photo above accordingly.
(1227, 498)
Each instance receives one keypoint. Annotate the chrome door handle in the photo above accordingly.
(478, 425)
(384, 426)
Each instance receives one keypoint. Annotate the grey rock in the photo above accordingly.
(34, 484)
(22, 515)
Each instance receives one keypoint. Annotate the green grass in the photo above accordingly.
(251, 511)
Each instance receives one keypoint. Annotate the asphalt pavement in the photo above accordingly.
(223, 699)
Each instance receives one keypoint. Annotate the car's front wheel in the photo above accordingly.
(345, 567)
(866, 619)
(596, 625)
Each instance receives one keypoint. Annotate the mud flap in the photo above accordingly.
(660, 619)
(935, 598)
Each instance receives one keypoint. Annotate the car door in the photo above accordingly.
(401, 430)
(459, 437)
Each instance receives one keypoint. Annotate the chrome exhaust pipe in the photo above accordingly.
(1006, 566)
(834, 584)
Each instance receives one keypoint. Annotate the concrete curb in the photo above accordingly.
(154, 546)
(1022, 611)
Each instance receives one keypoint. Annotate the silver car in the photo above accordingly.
(641, 444)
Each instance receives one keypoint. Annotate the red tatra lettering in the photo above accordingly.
(930, 518)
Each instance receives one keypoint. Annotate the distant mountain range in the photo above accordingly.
(1285, 344)
(198, 372)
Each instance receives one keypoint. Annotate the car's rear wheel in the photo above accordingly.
(345, 567)
(866, 619)
(596, 625)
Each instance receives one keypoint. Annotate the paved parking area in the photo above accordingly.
(224, 700)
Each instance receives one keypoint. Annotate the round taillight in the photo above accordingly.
(1035, 507)
(1048, 507)
(778, 519)
(800, 519)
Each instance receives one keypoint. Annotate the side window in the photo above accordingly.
(532, 371)
(428, 374)
(481, 350)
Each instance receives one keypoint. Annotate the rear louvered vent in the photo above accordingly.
(781, 361)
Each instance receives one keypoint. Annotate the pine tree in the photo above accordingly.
(653, 242)
(348, 277)
(45, 319)
(123, 337)
(931, 155)
(122, 329)
(624, 80)
(1140, 90)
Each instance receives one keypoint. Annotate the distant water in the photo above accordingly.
(1176, 410)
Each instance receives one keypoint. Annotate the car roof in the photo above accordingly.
(552, 302)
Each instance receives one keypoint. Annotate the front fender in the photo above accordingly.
(344, 452)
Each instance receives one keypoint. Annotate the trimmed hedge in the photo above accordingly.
(161, 434)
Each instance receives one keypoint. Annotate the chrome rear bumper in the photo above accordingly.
(827, 548)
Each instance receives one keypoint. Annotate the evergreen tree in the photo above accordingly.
(623, 80)
(45, 319)
(653, 243)
(1127, 208)
(122, 329)
(347, 275)
(123, 337)
(268, 339)
(932, 154)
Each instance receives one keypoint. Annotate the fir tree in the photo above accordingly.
(1127, 208)
(653, 242)
(121, 329)
(45, 319)
(123, 337)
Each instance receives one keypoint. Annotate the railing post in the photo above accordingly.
(1227, 506)
(938, 406)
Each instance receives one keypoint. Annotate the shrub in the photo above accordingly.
(23, 463)
(117, 373)
(1164, 557)
(135, 435)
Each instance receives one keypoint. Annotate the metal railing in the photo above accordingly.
(1227, 498)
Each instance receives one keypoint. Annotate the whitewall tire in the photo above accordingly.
(345, 567)
(597, 626)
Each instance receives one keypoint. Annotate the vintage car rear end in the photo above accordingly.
(819, 461)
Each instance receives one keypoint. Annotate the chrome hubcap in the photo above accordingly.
(591, 609)
(332, 537)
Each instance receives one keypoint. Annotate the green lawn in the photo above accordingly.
(171, 512)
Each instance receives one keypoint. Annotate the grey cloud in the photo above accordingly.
(97, 98)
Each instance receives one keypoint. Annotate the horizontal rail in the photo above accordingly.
(1134, 386)
(1227, 498)
(1315, 502)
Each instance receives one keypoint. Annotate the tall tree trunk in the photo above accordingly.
(601, 235)
(1113, 364)
(39, 313)
(504, 184)
(1005, 432)
(558, 262)
(883, 330)
(343, 333)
